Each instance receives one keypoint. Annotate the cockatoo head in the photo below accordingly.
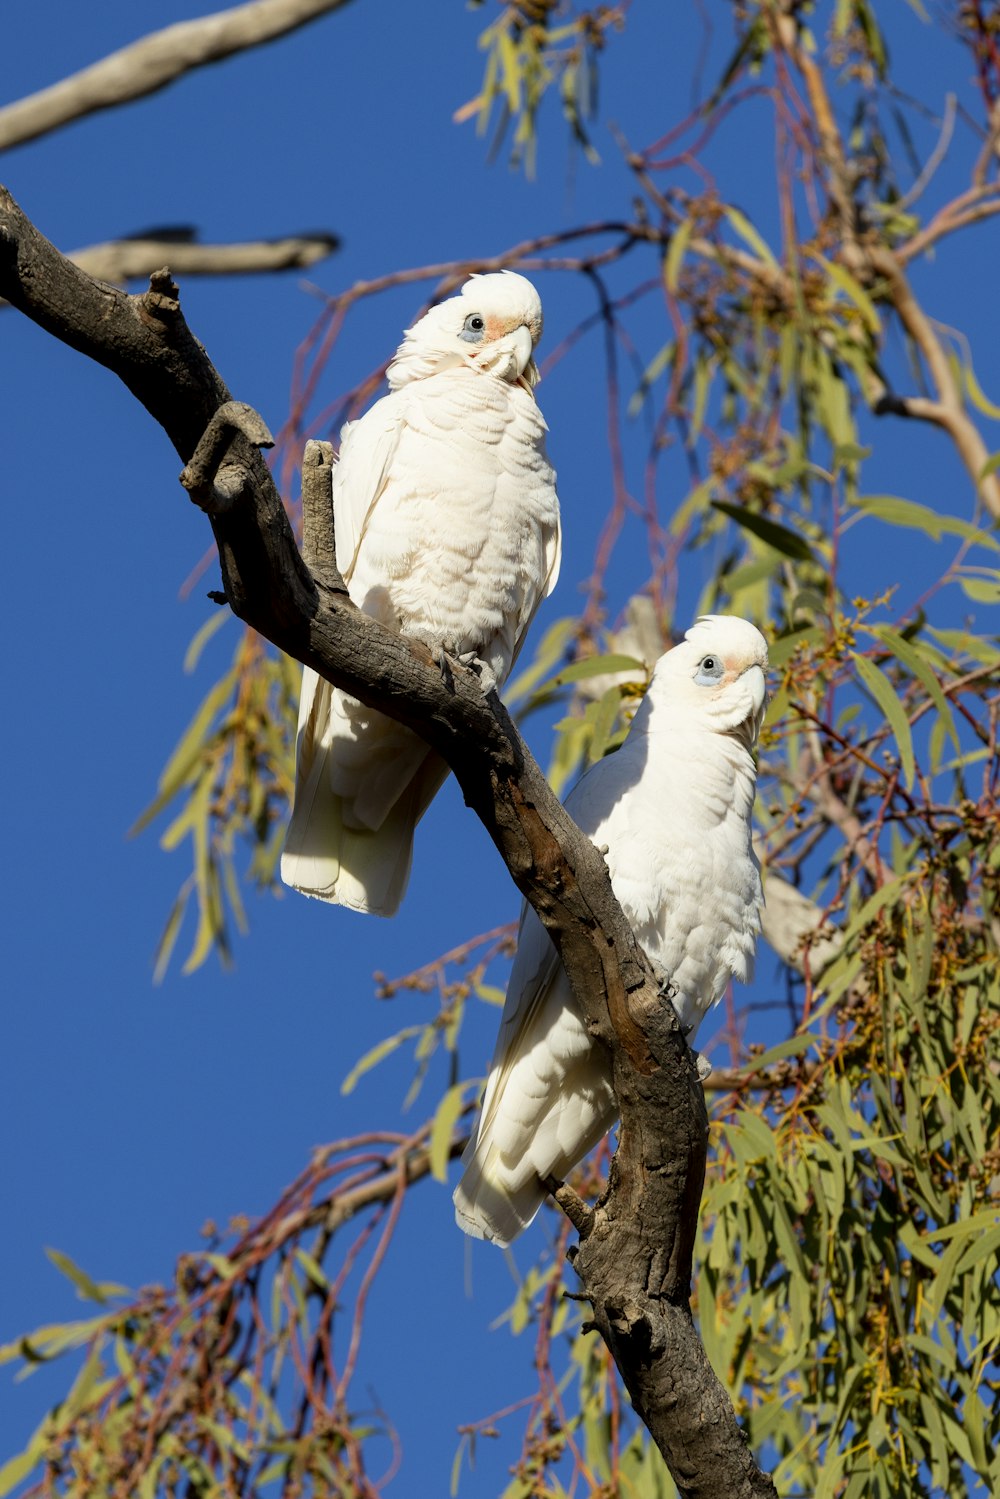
(714, 679)
(492, 327)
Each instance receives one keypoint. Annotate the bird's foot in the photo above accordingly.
(445, 658)
(665, 986)
(702, 1065)
(485, 673)
(442, 661)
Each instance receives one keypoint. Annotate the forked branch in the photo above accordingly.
(635, 1263)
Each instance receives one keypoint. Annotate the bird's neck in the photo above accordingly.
(722, 761)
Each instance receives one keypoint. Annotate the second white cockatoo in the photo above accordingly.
(447, 529)
(673, 808)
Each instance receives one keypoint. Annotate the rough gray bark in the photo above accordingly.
(634, 1258)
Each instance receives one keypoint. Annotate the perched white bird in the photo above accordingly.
(447, 527)
(673, 806)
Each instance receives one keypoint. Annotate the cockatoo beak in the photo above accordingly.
(510, 358)
(757, 684)
(747, 730)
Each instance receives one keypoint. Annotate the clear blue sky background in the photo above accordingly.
(131, 1114)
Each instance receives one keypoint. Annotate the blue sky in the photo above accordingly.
(131, 1114)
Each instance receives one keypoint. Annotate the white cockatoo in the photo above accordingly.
(447, 528)
(673, 808)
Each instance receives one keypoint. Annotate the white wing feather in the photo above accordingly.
(447, 529)
(674, 810)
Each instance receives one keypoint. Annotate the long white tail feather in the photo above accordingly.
(497, 1199)
(331, 852)
(487, 1210)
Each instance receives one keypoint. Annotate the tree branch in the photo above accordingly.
(794, 926)
(635, 1264)
(134, 259)
(154, 61)
(319, 544)
(948, 411)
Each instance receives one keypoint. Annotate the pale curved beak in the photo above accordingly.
(522, 348)
(757, 683)
(758, 688)
(510, 357)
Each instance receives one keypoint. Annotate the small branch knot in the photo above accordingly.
(576, 1210)
(161, 303)
(162, 283)
(212, 486)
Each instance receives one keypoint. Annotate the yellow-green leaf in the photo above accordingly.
(900, 512)
(212, 626)
(87, 1289)
(884, 693)
(750, 236)
(922, 669)
(976, 395)
(853, 290)
(377, 1054)
(448, 1111)
(675, 254)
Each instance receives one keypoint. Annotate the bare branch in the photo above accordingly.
(636, 1263)
(122, 260)
(840, 181)
(134, 259)
(579, 1214)
(969, 208)
(948, 411)
(154, 61)
(991, 147)
(319, 544)
(937, 155)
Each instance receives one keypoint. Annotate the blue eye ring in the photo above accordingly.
(473, 328)
(710, 670)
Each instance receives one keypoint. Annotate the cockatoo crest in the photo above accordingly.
(492, 326)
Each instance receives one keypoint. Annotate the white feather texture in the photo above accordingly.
(673, 806)
(447, 527)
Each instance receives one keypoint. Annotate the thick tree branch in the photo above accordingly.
(154, 61)
(635, 1264)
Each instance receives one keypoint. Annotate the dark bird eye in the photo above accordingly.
(710, 671)
(473, 328)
